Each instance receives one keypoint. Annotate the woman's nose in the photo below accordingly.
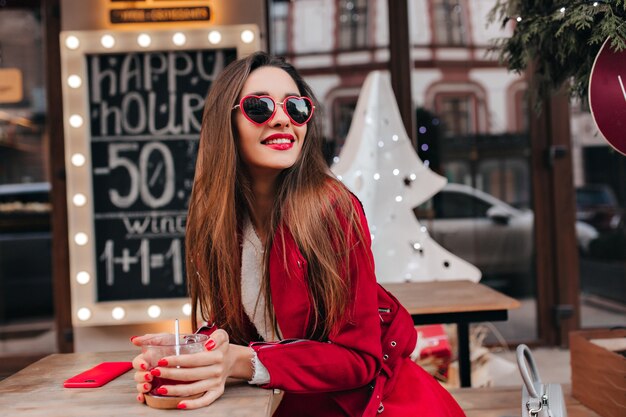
(280, 117)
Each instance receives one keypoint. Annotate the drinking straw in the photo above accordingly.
(177, 337)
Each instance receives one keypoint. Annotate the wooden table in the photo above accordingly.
(38, 391)
(507, 402)
(459, 302)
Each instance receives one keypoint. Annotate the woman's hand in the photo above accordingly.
(206, 372)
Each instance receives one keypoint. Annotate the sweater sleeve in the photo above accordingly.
(351, 357)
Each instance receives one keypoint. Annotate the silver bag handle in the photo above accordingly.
(526, 363)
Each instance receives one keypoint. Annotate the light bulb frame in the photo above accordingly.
(78, 155)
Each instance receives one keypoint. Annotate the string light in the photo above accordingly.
(179, 39)
(394, 138)
(76, 120)
(377, 176)
(81, 239)
(186, 309)
(247, 36)
(396, 171)
(380, 144)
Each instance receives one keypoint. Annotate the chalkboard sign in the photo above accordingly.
(145, 112)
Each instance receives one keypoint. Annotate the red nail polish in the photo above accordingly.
(139, 398)
(155, 372)
(181, 406)
(146, 387)
(143, 366)
(147, 377)
(162, 391)
(133, 338)
(210, 344)
(162, 362)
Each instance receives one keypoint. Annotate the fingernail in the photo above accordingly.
(155, 372)
(181, 405)
(147, 377)
(143, 366)
(133, 338)
(162, 362)
(139, 398)
(146, 387)
(210, 344)
(162, 391)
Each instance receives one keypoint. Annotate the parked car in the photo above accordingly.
(596, 205)
(489, 233)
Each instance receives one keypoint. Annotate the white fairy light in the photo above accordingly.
(394, 138)
(519, 18)
(377, 176)
(396, 171)
(413, 177)
(381, 144)
(398, 198)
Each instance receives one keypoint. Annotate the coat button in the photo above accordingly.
(393, 343)
(385, 357)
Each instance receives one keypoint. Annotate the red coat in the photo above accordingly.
(364, 366)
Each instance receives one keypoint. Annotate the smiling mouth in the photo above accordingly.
(277, 141)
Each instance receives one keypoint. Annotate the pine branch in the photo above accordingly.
(560, 38)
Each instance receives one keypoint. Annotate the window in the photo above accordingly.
(449, 22)
(280, 27)
(342, 118)
(457, 114)
(352, 24)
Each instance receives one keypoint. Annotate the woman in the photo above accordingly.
(279, 263)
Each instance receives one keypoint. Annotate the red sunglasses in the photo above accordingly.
(260, 109)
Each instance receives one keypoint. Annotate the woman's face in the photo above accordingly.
(274, 146)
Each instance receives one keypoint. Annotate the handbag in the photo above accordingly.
(538, 399)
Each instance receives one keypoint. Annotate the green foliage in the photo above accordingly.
(560, 45)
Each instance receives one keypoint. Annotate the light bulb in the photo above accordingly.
(72, 42)
(187, 309)
(83, 277)
(107, 41)
(78, 159)
(215, 37)
(79, 199)
(83, 314)
(154, 311)
(377, 176)
(179, 39)
(144, 40)
(74, 81)
(396, 171)
(81, 238)
(76, 120)
(247, 36)
(118, 313)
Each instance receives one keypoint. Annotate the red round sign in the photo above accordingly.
(607, 95)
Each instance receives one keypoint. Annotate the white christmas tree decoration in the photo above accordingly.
(378, 163)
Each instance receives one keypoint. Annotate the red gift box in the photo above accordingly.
(435, 353)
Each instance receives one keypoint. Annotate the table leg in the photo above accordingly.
(465, 370)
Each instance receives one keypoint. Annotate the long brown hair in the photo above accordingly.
(309, 203)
